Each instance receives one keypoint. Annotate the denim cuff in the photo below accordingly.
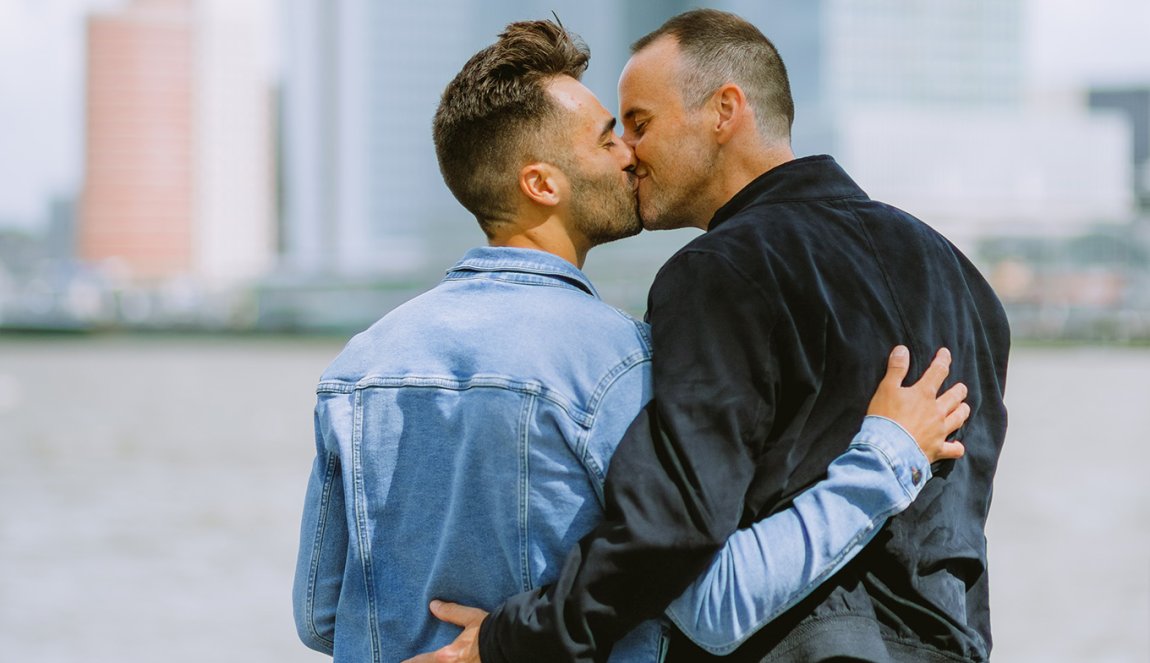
(898, 447)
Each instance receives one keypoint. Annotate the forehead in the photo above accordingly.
(574, 97)
(650, 76)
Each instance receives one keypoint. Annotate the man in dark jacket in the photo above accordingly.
(768, 331)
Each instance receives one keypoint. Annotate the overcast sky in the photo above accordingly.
(41, 66)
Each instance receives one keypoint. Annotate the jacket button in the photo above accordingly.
(915, 476)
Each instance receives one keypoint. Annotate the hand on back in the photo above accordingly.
(928, 416)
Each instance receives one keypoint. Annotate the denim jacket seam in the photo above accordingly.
(528, 387)
(890, 456)
(612, 376)
(504, 264)
(334, 387)
(359, 497)
(631, 362)
(524, 456)
(888, 463)
(529, 278)
(644, 331)
(330, 475)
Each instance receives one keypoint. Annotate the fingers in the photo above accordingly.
(937, 371)
(952, 397)
(897, 366)
(448, 654)
(956, 418)
(453, 613)
(950, 451)
(465, 648)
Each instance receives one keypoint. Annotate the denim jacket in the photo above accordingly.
(462, 446)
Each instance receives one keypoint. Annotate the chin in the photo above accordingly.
(657, 222)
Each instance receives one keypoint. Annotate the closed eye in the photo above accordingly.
(607, 136)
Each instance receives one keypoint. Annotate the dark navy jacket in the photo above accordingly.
(770, 334)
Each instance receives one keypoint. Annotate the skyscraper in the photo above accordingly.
(360, 85)
(1134, 103)
(235, 211)
(362, 189)
(178, 170)
(137, 203)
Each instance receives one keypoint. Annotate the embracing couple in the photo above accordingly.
(720, 481)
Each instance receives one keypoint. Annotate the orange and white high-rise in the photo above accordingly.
(179, 159)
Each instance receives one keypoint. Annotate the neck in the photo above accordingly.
(738, 168)
(548, 235)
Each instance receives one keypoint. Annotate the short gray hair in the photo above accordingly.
(718, 48)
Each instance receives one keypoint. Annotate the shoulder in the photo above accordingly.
(736, 256)
(596, 328)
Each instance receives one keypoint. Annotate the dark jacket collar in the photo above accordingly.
(808, 178)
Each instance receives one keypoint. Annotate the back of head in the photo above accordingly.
(718, 48)
(493, 115)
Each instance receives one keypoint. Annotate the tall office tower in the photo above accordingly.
(361, 80)
(358, 84)
(363, 196)
(235, 210)
(1133, 103)
(178, 171)
(137, 203)
(926, 106)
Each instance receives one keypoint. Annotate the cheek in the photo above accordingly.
(650, 151)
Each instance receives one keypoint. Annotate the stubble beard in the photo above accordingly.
(603, 209)
(678, 204)
(669, 209)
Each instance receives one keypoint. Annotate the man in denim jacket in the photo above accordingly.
(463, 441)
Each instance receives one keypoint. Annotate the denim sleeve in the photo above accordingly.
(323, 545)
(620, 396)
(766, 569)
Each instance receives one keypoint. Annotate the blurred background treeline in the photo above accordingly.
(267, 164)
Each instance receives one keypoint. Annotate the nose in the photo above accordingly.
(629, 160)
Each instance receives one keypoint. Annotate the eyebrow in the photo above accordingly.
(632, 112)
(608, 127)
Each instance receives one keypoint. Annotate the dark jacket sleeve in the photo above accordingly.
(676, 486)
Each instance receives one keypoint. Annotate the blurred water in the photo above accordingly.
(150, 493)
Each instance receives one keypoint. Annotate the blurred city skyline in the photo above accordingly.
(1068, 45)
(238, 164)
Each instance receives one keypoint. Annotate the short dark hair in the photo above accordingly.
(720, 47)
(493, 114)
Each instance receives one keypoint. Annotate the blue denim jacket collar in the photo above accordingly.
(523, 265)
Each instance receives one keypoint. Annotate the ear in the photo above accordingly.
(542, 183)
(730, 105)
